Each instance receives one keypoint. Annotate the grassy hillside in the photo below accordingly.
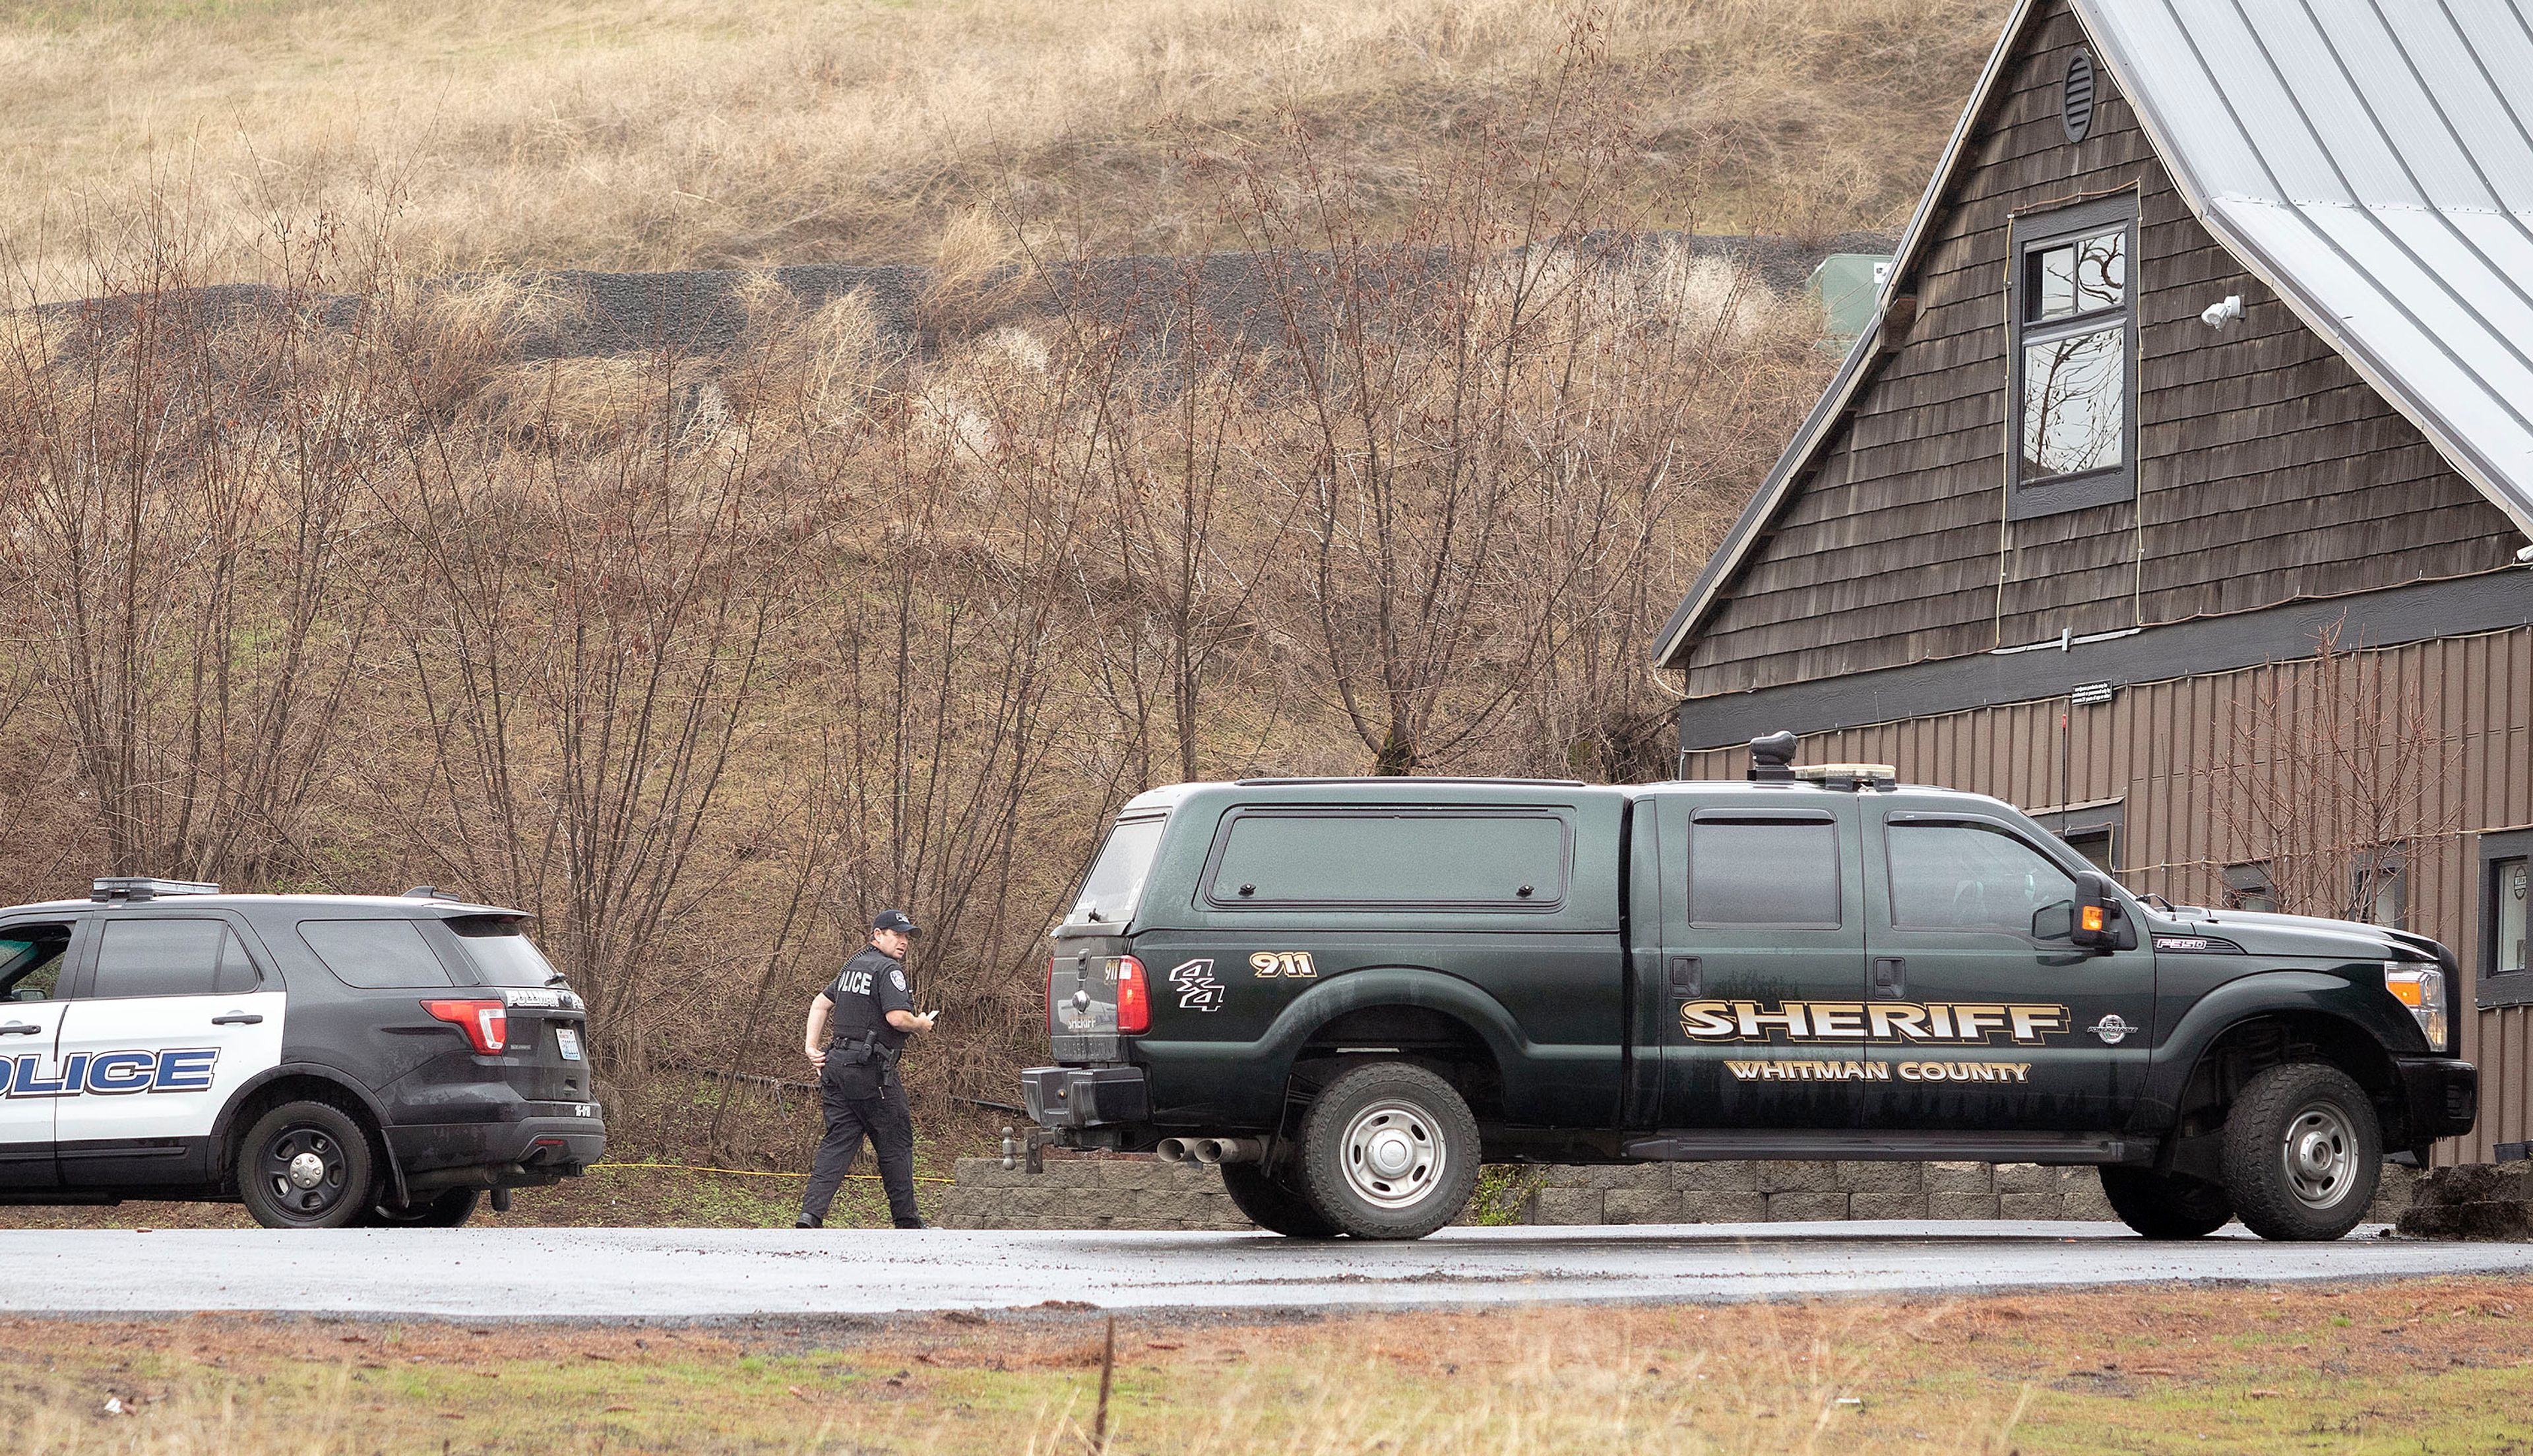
(651, 134)
(704, 660)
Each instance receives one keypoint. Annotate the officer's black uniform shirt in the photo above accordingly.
(870, 986)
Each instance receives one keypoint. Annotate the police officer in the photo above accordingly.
(857, 1026)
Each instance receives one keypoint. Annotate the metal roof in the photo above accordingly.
(2358, 156)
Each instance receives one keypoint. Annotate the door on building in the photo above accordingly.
(34, 955)
(1762, 947)
(1983, 1021)
(171, 1018)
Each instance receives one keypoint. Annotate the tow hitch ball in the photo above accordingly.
(1026, 1150)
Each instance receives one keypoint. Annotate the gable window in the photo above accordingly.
(2071, 372)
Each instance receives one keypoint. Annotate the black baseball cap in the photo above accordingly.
(894, 920)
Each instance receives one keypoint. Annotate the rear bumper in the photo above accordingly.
(2443, 1097)
(530, 1151)
(1086, 1096)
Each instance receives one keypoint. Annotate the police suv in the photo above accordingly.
(1348, 993)
(325, 1060)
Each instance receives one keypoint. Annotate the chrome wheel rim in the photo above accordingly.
(2320, 1155)
(1394, 1158)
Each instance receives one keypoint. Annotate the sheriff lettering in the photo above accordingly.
(1972, 1022)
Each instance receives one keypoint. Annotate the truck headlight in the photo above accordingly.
(2422, 988)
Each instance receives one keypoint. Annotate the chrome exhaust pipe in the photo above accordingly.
(1173, 1151)
(1214, 1152)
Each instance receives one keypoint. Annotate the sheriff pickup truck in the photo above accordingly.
(1350, 993)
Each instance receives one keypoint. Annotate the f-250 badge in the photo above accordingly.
(2112, 1029)
(1291, 964)
(1197, 989)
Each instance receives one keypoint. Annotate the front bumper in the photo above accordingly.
(525, 1153)
(2443, 1094)
(1086, 1096)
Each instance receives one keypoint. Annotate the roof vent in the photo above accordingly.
(2077, 115)
(1772, 758)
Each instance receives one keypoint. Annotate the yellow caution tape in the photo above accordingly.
(752, 1172)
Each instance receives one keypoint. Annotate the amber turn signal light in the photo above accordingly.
(2092, 917)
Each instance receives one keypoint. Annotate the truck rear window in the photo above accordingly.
(1117, 876)
(1514, 859)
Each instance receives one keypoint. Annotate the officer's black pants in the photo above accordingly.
(891, 1130)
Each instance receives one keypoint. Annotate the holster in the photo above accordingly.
(856, 1053)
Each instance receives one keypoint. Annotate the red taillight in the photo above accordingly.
(1050, 993)
(486, 1024)
(1134, 999)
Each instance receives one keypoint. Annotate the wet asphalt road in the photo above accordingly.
(495, 1273)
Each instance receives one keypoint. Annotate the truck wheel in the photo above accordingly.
(446, 1211)
(2160, 1206)
(1388, 1152)
(305, 1164)
(1272, 1205)
(2302, 1152)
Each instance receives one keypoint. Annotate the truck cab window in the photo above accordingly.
(1777, 874)
(1970, 877)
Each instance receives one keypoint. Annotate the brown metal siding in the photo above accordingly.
(2153, 748)
(2268, 470)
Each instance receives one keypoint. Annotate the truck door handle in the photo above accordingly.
(238, 1018)
(1687, 975)
(1890, 975)
(18, 1028)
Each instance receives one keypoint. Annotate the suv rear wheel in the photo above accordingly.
(1273, 1205)
(2162, 1205)
(2302, 1152)
(1388, 1152)
(305, 1164)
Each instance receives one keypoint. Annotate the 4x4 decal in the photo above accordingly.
(1197, 989)
(113, 1074)
(1292, 964)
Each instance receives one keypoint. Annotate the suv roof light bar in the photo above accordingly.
(107, 889)
(1420, 778)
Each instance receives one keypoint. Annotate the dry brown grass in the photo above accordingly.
(648, 133)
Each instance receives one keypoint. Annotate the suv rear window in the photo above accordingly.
(1503, 858)
(375, 954)
(502, 954)
(1117, 876)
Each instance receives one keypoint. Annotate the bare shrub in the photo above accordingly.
(2328, 786)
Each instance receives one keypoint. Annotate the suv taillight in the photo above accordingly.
(486, 1024)
(1133, 998)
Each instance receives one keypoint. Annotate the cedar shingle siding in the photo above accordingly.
(2267, 469)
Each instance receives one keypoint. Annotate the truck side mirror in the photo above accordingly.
(2098, 913)
(2055, 921)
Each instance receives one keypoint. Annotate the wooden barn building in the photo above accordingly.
(2181, 491)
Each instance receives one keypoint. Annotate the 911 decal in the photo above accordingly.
(1197, 989)
(1291, 964)
(114, 1074)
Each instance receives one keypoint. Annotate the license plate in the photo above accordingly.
(570, 1041)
